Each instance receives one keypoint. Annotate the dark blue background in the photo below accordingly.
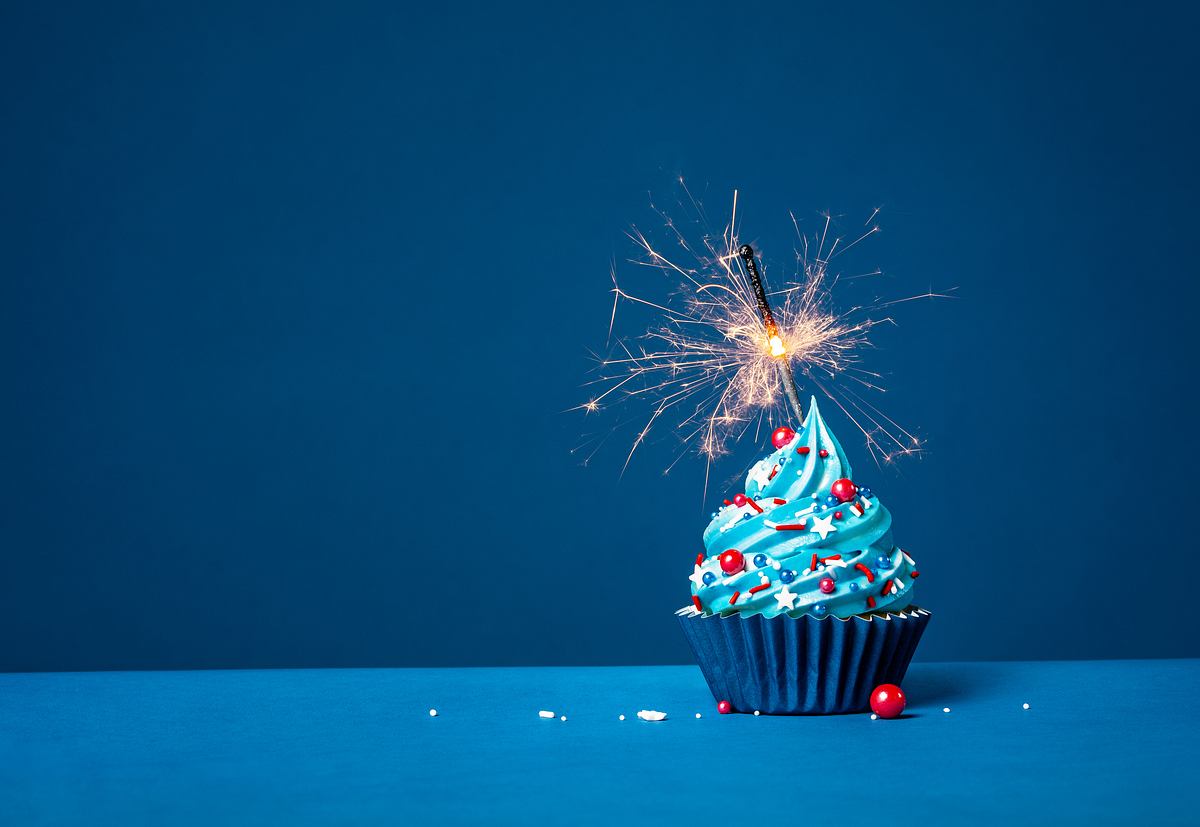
(294, 298)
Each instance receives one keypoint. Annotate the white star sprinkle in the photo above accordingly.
(697, 577)
(823, 526)
(786, 598)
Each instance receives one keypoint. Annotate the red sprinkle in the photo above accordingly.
(886, 585)
(727, 502)
(813, 566)
(753, 505)
(790, 527)
(700, 559)
(822, 453)
(771, 475)
(837, 515)
(696, 602)
(831, 557)
(914, 574)
(802, 450)
(760, 588)
(733, 599)
(866, 571)
(871, 602)
(780, 502)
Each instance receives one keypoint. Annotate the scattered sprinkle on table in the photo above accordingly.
(757, 713)
(563, 718)
(545, 713)
(874, 716)
(651, 715)
(1024, 706)
(433, 713)
(698, 714)
(945, 709)
(620, 717)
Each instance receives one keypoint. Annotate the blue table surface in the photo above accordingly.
(1102, 742)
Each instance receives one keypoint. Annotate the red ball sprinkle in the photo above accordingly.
(827, 585)
(732, 561)
(724, 707)
(914, 573)
(782, 436)
(844, 490)
(822, 453)
(887, 700)
(739, 500)
(803, 450)
(837, 515)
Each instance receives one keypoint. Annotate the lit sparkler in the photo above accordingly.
(724, 357)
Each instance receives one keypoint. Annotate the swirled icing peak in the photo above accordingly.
(802, 538)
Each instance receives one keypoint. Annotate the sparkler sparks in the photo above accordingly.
(721, 357)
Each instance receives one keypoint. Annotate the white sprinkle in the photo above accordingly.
(563, 718)
(620, 717)
(873, 716)
(433, 713)
(545, 713)
(698, 714)
(945, 709)
(651, 715)
(756, 712)
(1024, 706)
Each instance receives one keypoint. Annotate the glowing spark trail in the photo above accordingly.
(724, 355)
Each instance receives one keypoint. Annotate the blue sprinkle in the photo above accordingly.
(831, 501)
(820, 610)
(747, 516)
(884, 562)
(760, 560)
(787, 576)
(853, 586)
(866, 492)
(709, 578)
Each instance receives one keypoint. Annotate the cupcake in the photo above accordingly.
(801, 602)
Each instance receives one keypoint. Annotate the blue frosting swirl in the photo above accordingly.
(790, 520)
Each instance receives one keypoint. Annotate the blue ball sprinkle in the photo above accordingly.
(787, 576)
(866, 492)
(709, 578)
(820, 610)
(747, 516)
(760, 560)
(853, 586)
(831, 501)
(883, 561)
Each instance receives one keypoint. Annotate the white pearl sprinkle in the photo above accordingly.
(620, 717)
(945, 709)
(874, 716)
(1024, 706)
(756, 712)
(433, 713)
(697, 714)
(563, 718)
(545, 713)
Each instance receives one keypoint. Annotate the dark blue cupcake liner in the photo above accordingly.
(802, 666)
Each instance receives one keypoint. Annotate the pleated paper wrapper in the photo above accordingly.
(802, 666)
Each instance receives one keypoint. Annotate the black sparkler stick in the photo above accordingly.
(764, 309)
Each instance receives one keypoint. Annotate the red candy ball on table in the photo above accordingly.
(887, 701)
(724, 707)
(782, 436)
(844, 490)
(732, 561)
(739, 500)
